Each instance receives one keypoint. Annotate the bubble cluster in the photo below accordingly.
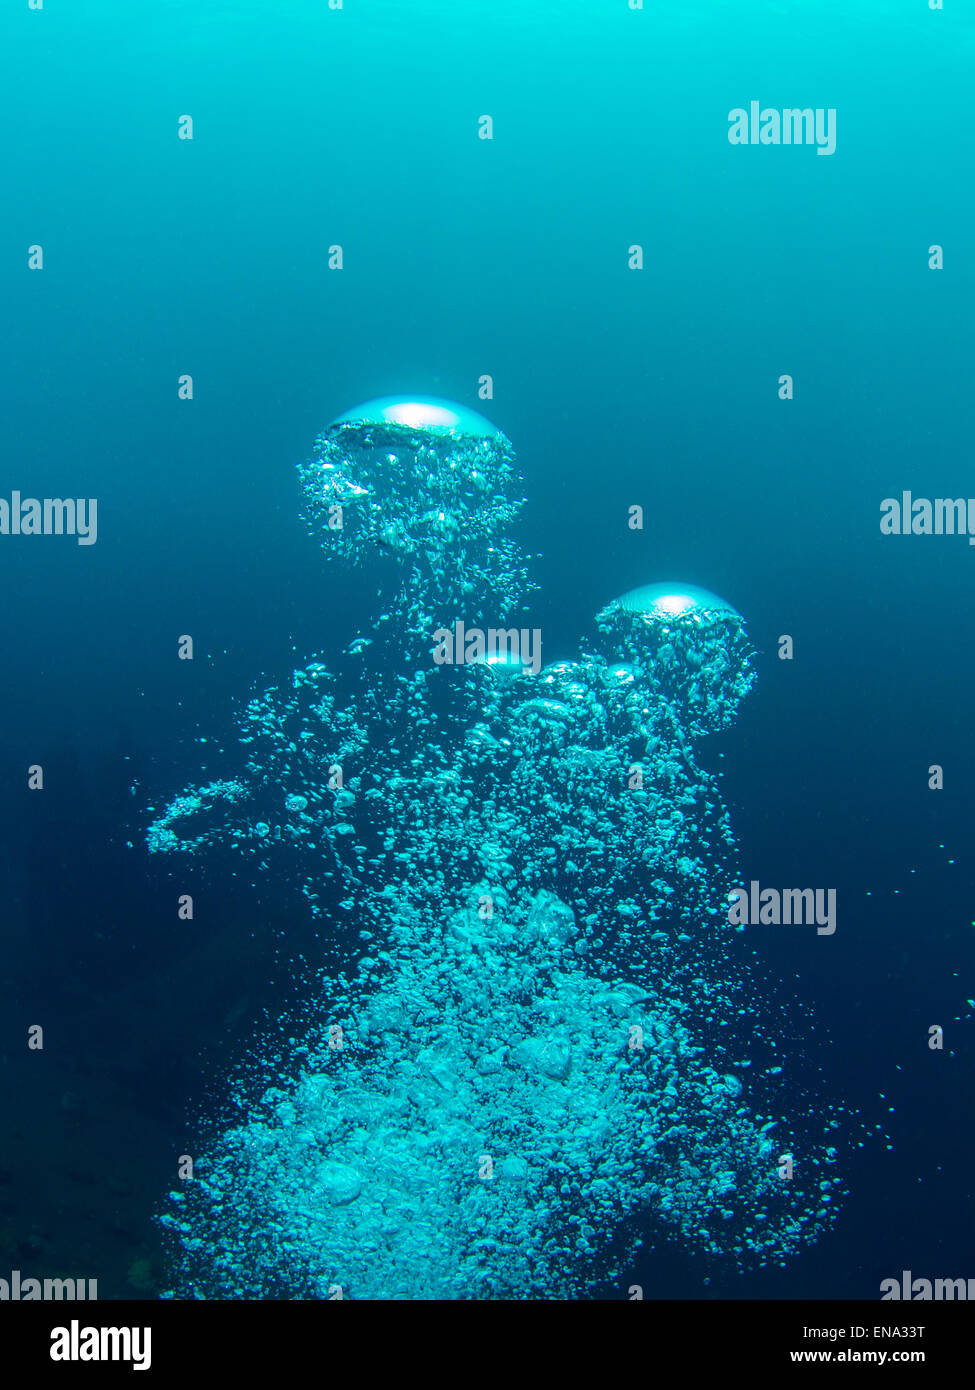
(691, 643)
(551, 1047)
(427, 484)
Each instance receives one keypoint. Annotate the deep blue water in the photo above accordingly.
(658, 387)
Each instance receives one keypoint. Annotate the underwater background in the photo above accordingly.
(464, 257)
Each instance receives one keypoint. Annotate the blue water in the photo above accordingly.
(465, 257)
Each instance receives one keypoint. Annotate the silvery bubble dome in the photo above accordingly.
(688, 644)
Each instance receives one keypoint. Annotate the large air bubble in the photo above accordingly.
(428, 414)
(431, 484)
(688, 644)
